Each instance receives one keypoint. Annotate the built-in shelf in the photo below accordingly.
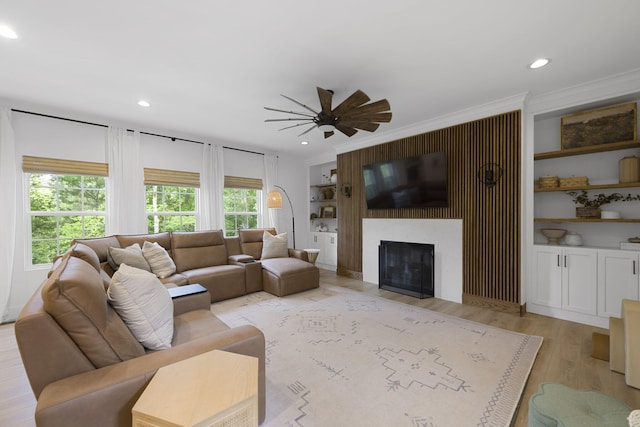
(588, 150)
(588, 187)
(586, 220)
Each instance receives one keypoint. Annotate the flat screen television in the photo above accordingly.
(412, 182)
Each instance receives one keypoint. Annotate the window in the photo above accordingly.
(171, 208)
(67, 200)
(242, 202)
(171, 200)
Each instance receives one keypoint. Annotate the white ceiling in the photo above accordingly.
(209, 67)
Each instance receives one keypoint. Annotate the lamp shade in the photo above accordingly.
(274, 200)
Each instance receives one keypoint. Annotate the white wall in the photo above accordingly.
(50, 137)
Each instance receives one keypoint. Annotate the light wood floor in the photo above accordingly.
(565, 355)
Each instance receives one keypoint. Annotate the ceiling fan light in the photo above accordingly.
(326, 128)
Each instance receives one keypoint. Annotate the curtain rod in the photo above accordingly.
(173, 138)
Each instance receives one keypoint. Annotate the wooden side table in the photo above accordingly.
(212, 389)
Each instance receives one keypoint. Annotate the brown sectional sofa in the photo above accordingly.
(83, 363)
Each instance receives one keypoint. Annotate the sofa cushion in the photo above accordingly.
(85, 253)
(144, 304)
(159, 260)
(198, 249)
(74, 296)
(100, 245)
(274, 246)
(131, 255)
(251, 240)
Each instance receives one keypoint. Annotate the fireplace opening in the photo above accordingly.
(406, 268)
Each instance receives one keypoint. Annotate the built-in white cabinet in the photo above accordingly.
(585, 285)
(566, 278)
(617, 280)
(327, 243)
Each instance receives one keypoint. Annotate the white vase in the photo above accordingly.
(334, 178)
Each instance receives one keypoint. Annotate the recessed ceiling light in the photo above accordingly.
(539, 63)
(144, 103)
(7, 32)
(304, 142)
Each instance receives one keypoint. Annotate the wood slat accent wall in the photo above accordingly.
(491, 216)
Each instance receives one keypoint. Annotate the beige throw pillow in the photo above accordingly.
(274, 246)
(159, 260)
(144, 304)
(131, 255)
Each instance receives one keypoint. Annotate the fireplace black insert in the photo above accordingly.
(406, 268)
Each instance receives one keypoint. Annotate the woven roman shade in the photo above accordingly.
(240, 182)
(64, 167)
(171, 177)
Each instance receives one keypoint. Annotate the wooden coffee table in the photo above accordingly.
(217, 388)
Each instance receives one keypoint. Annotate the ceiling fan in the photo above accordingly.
(350, 115)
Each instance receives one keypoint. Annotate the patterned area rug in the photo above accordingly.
(336, 357)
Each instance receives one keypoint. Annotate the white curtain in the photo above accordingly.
(211, 202)
(269, 216)
(126, 193)
(8, 175)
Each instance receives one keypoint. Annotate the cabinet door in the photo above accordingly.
(317, 242)
(617, 279)
(331, 249)
(579, 280)
(547, 289)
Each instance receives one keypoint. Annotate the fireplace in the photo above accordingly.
(406, 268)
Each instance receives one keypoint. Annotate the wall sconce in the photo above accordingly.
(489, 174)
(346, 190)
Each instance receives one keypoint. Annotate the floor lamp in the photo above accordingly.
(274, 201)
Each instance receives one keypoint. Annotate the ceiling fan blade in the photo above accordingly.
(294, 126)
(349, 131)
(287, 120)
(368, 126)
(309, 130)
(374, 107)
(289, 112)
(300, 104)
(368, 117)
(356, 99)
(325, 100)
(328, 134)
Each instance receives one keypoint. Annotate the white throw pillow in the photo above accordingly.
(274, 246)
(159, 260)
(131, 255)
(144, 304)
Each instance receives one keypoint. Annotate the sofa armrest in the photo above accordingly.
(299, 253)
(189, 298)
(240, 259)
(107, 395)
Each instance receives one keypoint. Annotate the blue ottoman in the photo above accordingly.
(558, 405)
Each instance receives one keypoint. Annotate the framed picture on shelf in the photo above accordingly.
(604, 126)
(328, 212)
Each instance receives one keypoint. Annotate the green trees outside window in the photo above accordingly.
(241, 208)
(170, 208)
(62, 208)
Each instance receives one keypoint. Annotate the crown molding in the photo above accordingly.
(618, 85)
(515, 102)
